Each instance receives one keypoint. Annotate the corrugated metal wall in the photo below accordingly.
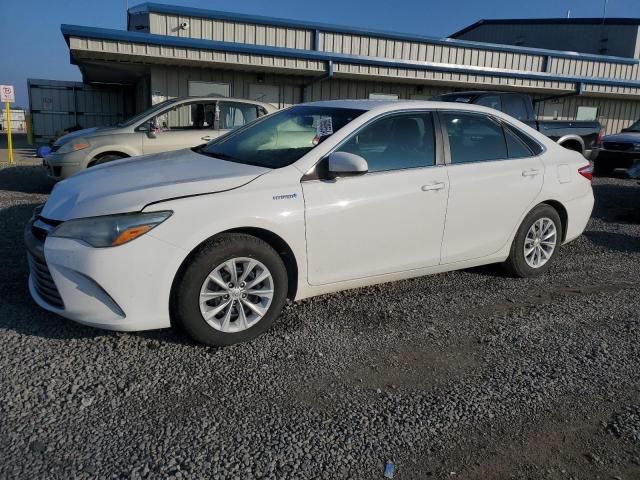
(57, 105)
(372, 46)
(613, 114)
(620, 39)
(226, 31)
(167, 82)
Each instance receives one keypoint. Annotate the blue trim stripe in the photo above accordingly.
(325, 27)
(183, 42)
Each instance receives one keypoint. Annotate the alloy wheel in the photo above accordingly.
(540, 242)
(236, 295)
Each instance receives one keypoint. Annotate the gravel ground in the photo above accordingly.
(469, 375)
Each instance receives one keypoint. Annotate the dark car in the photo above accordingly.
(580, 136)
(621, 150)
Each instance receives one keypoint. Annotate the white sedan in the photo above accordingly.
(317, 198)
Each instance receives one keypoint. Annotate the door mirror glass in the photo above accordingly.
(344, 164)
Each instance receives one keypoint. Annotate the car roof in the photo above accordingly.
(268, 106)
(399, 105)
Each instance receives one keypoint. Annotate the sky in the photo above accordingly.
(31, 45)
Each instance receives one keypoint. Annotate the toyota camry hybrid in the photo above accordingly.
(313, 199)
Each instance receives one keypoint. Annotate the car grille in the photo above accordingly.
(42, 279)
(618, 147)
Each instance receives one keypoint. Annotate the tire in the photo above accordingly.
(105, 159)
(196, 282)
(522, 267)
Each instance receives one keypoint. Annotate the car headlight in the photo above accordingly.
(636, 147)
(110, 230)
(74, 145)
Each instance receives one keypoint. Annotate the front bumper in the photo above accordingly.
(59, 166)
(124, 288)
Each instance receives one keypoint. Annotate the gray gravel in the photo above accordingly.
(469, 372)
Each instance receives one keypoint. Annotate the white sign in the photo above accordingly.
(324, 127)
(6, 94)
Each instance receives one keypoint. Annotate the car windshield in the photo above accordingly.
(282, 138)
(635, 127)
(136, 118)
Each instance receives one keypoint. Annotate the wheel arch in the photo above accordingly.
(562, 213)
(572, 142)
(104, 153)
(274, 240)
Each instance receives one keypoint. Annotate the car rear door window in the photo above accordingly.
(474, 138)
(396, 142)
(516, 147)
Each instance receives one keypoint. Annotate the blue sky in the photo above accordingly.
(31, 45)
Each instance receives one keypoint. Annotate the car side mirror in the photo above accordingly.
(345, 164)
(151, 130)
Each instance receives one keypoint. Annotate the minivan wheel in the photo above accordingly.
(536, 243)
(231, 291)
(105, 159)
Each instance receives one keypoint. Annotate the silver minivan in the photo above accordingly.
(170, 125)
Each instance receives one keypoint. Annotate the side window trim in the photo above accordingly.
(439, 150)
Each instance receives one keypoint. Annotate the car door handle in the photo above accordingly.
(207, 138)
(531, 172)
(433, 186)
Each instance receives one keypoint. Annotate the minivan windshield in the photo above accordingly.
(136, 118)
(635, 127)
(282, 138)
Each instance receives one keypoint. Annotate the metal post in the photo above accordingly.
(10, 145)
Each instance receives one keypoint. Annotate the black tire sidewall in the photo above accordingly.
(103, 160)
(516, 262)
(207, 258)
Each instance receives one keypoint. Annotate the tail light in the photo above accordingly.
(586, 172)
(599, 140)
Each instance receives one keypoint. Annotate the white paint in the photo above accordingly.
(344, 233)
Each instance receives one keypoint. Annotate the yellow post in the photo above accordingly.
(9, 133)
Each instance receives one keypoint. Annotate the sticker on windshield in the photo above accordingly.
(324, 127)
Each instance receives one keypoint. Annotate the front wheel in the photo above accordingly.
(536, 244)
(231, 291)
(105, 159)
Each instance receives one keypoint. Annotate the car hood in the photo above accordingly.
(85, 132)
(627, 137)
(129, 185)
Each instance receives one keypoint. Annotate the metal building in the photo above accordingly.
(609, 36)
(170, 51)
(56, 106)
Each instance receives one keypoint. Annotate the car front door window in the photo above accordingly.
(396, 142)
(234, 115)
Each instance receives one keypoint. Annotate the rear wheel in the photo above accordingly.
(231, 291)
(536, 244)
